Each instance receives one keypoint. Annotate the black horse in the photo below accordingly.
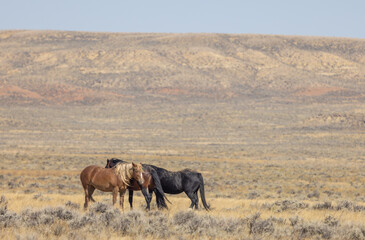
(151, 182)
(187, 181)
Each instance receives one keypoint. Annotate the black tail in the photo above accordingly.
(202, 193)
(160, 194)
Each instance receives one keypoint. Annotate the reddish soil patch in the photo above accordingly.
(60, 94)
(55, 94)
(222, 94)
(316, 91)
(15, 91)
(169, 91)
(38, 173)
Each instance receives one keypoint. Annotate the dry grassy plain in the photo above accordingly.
(283, 162)
(282, 156)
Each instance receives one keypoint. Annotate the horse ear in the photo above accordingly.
(134, 165)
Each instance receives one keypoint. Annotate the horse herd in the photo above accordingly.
(119, 175)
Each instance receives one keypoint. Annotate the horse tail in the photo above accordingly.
(160, 194)
(202, 192)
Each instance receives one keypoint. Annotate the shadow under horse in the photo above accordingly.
(112, 180)
(151, 184)
(187, 181)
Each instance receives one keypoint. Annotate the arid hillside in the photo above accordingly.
(54, 67)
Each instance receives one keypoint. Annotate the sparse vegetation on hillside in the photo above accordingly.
(46, 67)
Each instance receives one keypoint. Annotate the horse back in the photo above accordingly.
(101, 178)
(171, 182)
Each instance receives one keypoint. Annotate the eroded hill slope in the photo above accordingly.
(55, 67)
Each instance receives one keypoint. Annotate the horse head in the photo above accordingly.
(137, 173)
(107, 164)
(112, 162)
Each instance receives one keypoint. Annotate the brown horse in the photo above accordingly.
(151, 184)
(115, 180)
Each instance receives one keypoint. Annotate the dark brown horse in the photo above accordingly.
(151, 183)
(115, 180)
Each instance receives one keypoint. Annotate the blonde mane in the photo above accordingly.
(124, 171)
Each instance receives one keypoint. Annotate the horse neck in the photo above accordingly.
(124, 172)
(129, 171)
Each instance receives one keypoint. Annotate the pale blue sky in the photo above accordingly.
(288, 17)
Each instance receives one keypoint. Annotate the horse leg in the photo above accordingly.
(146, 197)
(86, 197)
(115, 194)
(150, 192)
(159, 199)
(196, 199)
(91, 190)
(150, 195)
(130, 198)
(121, 199)
(192, 198)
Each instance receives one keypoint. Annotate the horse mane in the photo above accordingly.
(123, 171)
(139, 167)
(117, 159)
(188, 170)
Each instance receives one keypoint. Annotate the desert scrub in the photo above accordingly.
(329, 228)
(257, 226)
(345, 204)
(189, 222)
(7, 218)
(342, 205)
(280, 206)
(104, 221)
